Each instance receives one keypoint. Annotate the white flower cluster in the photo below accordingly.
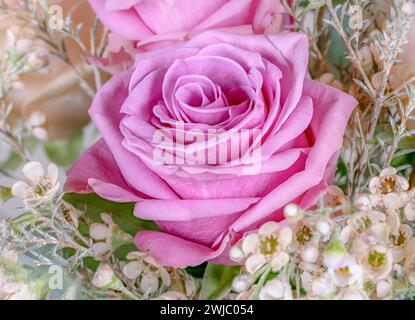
(10, 289)
(23, 40)
(142, 277)
(365, 253)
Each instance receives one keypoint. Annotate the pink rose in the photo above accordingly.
(166, 20)
(179, 104)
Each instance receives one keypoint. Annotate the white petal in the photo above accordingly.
(53, 173)
(346, 233)
(100, 248)
(394, 221)
(98, 231)
(36, 119)
(403, 183)
(363, 203)
(322, 286)
(165, 277)
(409, 211)
(306, 280)
(254, 263)
(353, 294)
(392, 201)
(74, 217)
(242, 283)
(40, 133)
(171, 295)
(286, 236)
(280, 261)
(135, 255)
(250, 243)
(132, 270)
(406, 230)
(190, 286)
(274, 289)
(268, 228)
(383, 288)
(107, 219)
(33, 171)
(309, 253)
(380, 231)
(21, 189)
(103, 276)
(236, 254)
(377, 216)
(373, 185)
(292, 211)
(411, 278)
(149, 283)
(388, 172)
(335, 191)
(151, 261)
(324, 227)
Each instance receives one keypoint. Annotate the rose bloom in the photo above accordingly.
(54, 91)
(153, 21)
(227, 83)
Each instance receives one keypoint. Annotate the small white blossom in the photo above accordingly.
(267, 245)
(143, 268)
(40, 186)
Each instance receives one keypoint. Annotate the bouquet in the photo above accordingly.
(224, 149)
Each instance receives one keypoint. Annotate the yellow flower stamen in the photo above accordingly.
(269, 245)
(376, 258)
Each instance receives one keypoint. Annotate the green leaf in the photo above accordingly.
(5, 194)
(217, 281)
(197, 271)
(122, 213)
(64, 152)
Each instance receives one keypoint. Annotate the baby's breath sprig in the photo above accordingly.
(48, 233)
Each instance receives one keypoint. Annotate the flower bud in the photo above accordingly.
(324, 226)
(132, 270)
(292, 211)
(362, 203)
(236, 254)
(105, 278)
(149, 283)
(98, 231)
(242, 283)
(310, 253)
